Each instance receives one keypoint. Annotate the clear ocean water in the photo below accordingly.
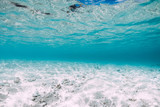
(97, 56)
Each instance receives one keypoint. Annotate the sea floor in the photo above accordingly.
(71, 84)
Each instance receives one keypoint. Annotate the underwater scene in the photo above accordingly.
(79, 53)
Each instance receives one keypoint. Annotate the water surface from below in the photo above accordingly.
(128, 31)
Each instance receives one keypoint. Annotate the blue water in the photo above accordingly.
(125, 32)
(97, 56)
(98, 2)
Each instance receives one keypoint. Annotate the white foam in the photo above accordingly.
(66, 84)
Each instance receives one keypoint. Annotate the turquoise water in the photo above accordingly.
(126, 32)
(97, 56)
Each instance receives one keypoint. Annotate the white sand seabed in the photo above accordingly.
(69, 84)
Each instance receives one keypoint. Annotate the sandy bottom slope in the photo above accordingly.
(68, 84)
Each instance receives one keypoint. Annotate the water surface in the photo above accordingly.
(128, 31)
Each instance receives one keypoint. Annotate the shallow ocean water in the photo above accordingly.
(128, 31)
(98, 56)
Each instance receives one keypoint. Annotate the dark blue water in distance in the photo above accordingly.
(125, 32)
